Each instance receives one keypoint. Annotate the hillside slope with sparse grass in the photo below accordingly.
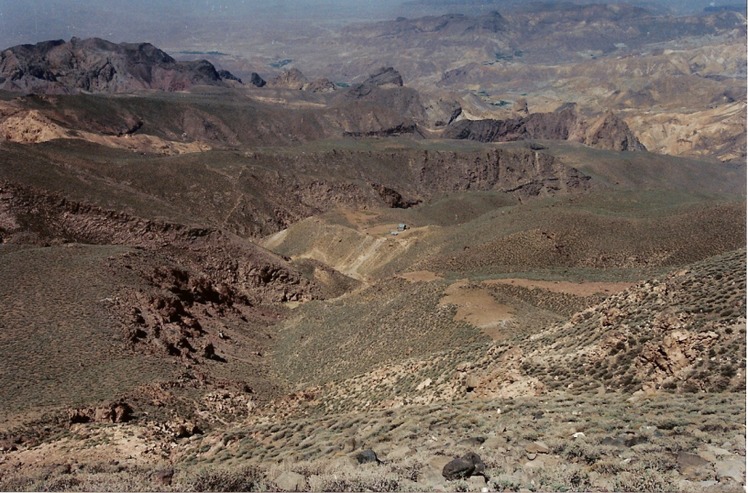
(303, 285)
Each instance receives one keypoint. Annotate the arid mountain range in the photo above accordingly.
(96, 65)
(485, 252)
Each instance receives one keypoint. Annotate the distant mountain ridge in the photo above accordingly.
(97, 65)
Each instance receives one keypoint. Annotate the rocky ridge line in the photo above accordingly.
(97, 65)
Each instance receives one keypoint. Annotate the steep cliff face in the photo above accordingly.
(403, 178)
(521, 172)
(97, 65)
(607, 131)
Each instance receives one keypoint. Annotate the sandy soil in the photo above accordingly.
(476, 306)
(358, 218)
(575, 288)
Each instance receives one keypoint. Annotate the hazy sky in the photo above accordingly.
(30, 21)
(172, 21)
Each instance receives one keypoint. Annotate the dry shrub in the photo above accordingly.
(248, 478)
(363, 480)
(643, 480)
(572, 479)
(131, 480)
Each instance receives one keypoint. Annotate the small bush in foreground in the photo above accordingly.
(245, 479)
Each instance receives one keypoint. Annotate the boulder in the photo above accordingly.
(694, 467)
(731, 468)
(464, 467)
(367, 456)
(537, 448)
(458, 469)
(290, 481)
(256, 80)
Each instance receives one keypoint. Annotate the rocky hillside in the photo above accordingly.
(97, 65)
(684, 332)
(32, 216)
(288, 109)
(658, 335)
(605, 132)
(248, 193)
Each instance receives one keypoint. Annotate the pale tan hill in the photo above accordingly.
(31, 126)
(700, 133)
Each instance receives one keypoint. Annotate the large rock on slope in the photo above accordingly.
(289, 79)
(464, 467)
(97, 65)
(386, 77)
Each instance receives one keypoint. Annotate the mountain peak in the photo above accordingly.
(98, 65)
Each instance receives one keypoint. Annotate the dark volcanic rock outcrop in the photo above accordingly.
(558, 125)
(97, 65)
(605, 132)
(384, 77)
(256, 80)
(393, 198)
(380, 107)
